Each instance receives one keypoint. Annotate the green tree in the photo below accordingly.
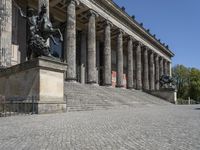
(194, 89)
(181, 74)
(187, 82)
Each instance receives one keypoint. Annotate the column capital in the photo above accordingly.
(107, 22)
(120, 31)
(151, 52)
(137, 43)
(157, 56)
(93, 13)
(161, 58)
(75, 2)
(164, 60)
(144, 47)
(130, 38)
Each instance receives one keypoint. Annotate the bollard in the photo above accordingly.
(189, 101)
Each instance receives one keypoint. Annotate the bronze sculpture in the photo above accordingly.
(40, 29)
(167, 81)
(45, 26)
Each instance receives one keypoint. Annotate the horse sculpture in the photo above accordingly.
(166, 80)
(45, 26)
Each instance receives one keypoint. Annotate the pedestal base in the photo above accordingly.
(169, 94)
(41, 78)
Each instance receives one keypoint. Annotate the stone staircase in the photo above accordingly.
(84, 97)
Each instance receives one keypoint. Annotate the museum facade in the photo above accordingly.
(102, 44)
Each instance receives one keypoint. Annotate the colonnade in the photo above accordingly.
(144, 66)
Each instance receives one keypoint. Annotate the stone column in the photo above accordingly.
(107, 55)
(130, 63)
(138, 66)
(83, 57)
(98, 69)
(92, 47)
(161, 66)
(170, 68)
(157, 72)
(151, 71)
(120, 59)
(70, 45)
(145, 68)
(134, 67)
(165, 67)
(6, 35)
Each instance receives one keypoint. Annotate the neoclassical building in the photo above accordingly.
(102, 43)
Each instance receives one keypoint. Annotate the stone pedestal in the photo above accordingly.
(168, 94)
(41, 78)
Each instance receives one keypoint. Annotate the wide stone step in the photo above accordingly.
(84, 97)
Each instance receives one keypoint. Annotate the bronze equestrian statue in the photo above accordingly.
(40, 29)
(167, 81)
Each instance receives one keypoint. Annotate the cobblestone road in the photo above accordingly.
(146, 128)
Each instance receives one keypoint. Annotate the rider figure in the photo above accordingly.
(32, 21)
(46, 27)
(43, 20)
(32, 27)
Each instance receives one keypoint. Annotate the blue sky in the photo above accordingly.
(175, 22)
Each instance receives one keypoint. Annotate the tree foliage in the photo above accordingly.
(188, 82)
(194, 89)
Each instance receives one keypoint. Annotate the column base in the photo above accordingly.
(119, 86)
(145, 90)
(139, 89)
(130, 88)
(107, 84)
(169, 94)
(92, 83)
(71, 79)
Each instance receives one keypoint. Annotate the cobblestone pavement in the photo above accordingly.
(145, 128)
